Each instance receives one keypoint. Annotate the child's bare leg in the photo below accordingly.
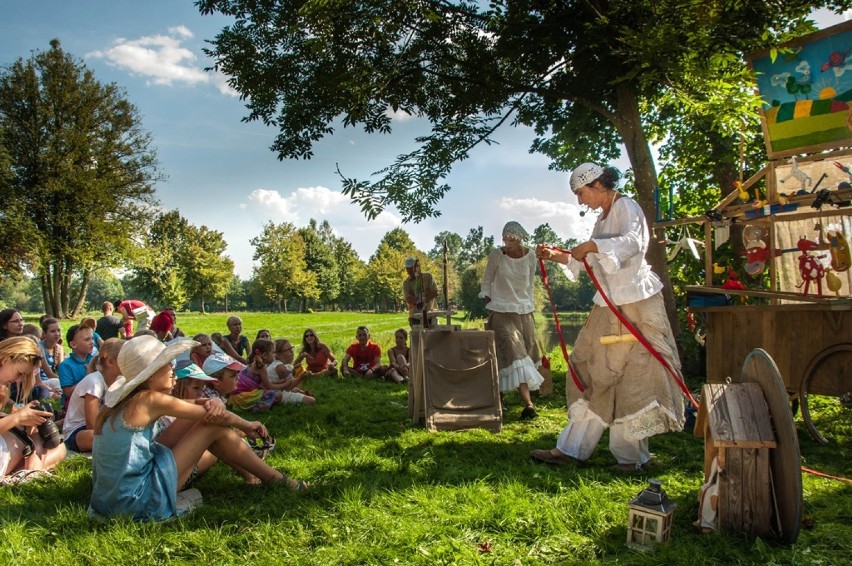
(394, 375)
(226, 445)
(44, 458)
(403, 365)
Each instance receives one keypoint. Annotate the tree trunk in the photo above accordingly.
(201, 306)
(65, 287)
(84, 284)
(45, 293)
(629, 125)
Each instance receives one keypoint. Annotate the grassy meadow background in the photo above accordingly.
(388, 492)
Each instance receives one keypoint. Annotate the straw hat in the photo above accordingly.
(139, 359)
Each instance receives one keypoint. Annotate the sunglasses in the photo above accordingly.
(310, 335)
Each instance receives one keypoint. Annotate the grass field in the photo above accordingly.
(388, 492)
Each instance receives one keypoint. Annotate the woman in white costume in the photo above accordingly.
(507, 288)
(625, 388)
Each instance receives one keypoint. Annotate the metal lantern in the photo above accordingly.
(650, 519)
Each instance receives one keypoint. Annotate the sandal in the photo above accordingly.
(23, 476)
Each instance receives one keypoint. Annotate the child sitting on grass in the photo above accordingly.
(225, 370)
(78, 428)
(81, 340)
(202, 351)
(191, 381)
(366, 356)
(281, 371)
(398, 357)
(137, 476)
(255, 391)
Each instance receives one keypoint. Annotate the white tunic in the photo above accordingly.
(509, 282)
(620, 266)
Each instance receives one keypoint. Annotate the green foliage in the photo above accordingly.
(589, 78)
(82, 171)
(103, 286)
(282, 272)
(178, 262)
(471, 281)
(321, 260)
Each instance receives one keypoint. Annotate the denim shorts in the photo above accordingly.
(71, 439)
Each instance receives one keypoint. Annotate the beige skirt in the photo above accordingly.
(623, 382)
(518, 356)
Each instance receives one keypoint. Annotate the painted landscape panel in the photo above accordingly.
(807, 92)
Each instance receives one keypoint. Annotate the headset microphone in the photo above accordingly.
(582, 213)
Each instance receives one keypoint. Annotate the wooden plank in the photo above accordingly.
(749, 494)
(763, 498)
(748, 420)
(731, 504)
(844, 302)
(718, 417)
(759, 406)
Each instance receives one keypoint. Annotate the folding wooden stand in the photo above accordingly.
(454, 382)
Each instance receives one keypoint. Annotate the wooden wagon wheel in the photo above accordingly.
(833, 365)
(785, 461)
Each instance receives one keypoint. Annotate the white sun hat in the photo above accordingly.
(585, 174)
(138, 359)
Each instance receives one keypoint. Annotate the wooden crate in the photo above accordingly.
(734, 421)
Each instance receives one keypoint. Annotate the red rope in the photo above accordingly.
(565, 355)
(822, 475)
(633, 330)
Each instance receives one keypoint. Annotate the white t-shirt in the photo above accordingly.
(273, 374)
(620, 266)
(75, 417)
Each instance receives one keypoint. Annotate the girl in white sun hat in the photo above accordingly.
(135, 475)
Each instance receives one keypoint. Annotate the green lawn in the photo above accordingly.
(386, 491)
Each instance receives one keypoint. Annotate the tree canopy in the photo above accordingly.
(82, 172)
(587, 76)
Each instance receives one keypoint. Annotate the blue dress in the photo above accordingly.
(131, 473)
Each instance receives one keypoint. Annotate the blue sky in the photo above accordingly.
(221, 172)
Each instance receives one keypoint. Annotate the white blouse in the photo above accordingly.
(620, 266)
(509, 282)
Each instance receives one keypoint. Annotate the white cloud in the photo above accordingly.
(163, 59)
(561, 216)
(320, 203)
(398, 115)
(182, 31)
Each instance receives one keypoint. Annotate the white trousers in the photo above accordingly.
(582, 434)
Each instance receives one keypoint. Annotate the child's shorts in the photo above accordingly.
(291, 397)
(71, 439)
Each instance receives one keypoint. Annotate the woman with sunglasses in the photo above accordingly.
(318, 356)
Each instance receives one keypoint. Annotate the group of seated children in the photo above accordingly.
(123, 395)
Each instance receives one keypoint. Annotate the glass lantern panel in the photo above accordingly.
(638, 521)
(651, 525)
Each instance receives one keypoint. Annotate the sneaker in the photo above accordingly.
(528, 413)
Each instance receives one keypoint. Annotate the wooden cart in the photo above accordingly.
(808, 336)
(811, 344)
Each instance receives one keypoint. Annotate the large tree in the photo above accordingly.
(82, 170)
(207, 271)
(586, 75)
(282, 272)
(321, 260)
